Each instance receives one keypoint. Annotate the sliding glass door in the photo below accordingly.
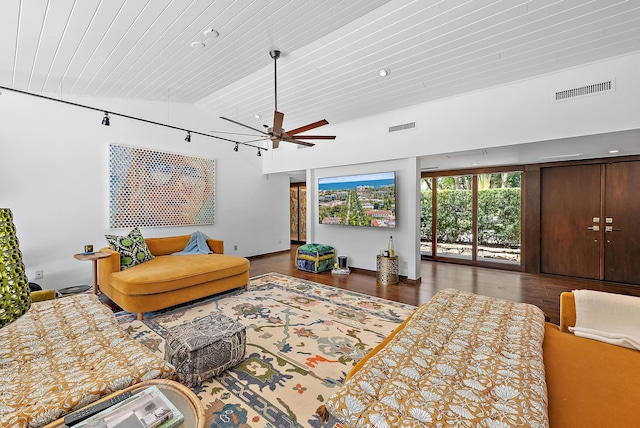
(472, 217)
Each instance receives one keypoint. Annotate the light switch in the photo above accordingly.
(596, 219)
(608, 220)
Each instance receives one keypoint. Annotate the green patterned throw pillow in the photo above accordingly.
(132, 248)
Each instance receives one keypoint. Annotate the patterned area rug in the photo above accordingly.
(302, 339)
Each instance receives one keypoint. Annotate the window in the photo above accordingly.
(477, 217)
(499, 214)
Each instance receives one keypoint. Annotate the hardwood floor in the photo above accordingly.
(540, 290)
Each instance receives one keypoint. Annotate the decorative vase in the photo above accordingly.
(15, 295)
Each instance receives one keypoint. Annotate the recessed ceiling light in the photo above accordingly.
(614, 151)
(210, 32)
(383, 72)
(197, 45)
(257, 116)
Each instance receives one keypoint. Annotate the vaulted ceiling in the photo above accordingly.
(215, 53)
(332, 50)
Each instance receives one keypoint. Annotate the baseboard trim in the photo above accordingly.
(259, 256)
(362, 271)
(402, 278)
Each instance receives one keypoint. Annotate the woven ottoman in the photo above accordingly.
(315, 257)
(205, 347)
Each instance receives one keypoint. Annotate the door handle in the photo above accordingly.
(594, 228)
(610, 229)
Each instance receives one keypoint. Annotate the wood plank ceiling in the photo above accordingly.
(331, 50)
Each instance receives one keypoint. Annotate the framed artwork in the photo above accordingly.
(151, 188)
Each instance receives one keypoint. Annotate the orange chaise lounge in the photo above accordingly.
(168, 280)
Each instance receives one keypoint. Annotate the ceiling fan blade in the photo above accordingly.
(278, 118)
(316, 137)
(308, 127)
(302, 143)
(242, 124)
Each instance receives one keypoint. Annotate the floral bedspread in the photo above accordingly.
(62, 355)
(462, 360)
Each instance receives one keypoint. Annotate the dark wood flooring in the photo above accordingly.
(540, 290)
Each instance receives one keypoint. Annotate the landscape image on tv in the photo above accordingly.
(358, 200)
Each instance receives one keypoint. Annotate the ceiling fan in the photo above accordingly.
(276, 134)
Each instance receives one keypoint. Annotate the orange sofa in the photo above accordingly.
(589, 383)
(168, 280)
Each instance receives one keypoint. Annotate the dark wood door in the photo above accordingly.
(622, 223)
(570, 200)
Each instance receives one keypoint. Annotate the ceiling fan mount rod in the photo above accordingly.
(275, 54)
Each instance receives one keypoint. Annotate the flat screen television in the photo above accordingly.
(358, 200)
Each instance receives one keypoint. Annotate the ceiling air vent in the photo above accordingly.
(402, 127)
(595, 88)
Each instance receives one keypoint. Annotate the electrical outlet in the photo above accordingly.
(39, 274)
(235, 248)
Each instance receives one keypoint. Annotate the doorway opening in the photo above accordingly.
(298, 213)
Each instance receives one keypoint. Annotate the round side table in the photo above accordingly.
(182, 397)
(387, 270)
(93, 257)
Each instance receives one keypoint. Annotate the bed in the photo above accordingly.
(62, 355)
(461, 360)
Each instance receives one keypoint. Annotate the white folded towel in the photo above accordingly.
(608, 317)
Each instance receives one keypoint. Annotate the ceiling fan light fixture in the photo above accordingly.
(384, 72)
(276, 133)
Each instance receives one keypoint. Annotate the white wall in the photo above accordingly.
(513, 114)
(362, 244)
(54, 163)
(53, 170)
(518, 113)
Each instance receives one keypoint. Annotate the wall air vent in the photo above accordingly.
(402, 127)
(467, 153)
(596, 88)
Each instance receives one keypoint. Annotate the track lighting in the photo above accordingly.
(106, 120)
(259, 152)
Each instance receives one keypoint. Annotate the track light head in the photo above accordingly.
(235, 149)
(188, 137)
(259, 152)
(105, 119)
